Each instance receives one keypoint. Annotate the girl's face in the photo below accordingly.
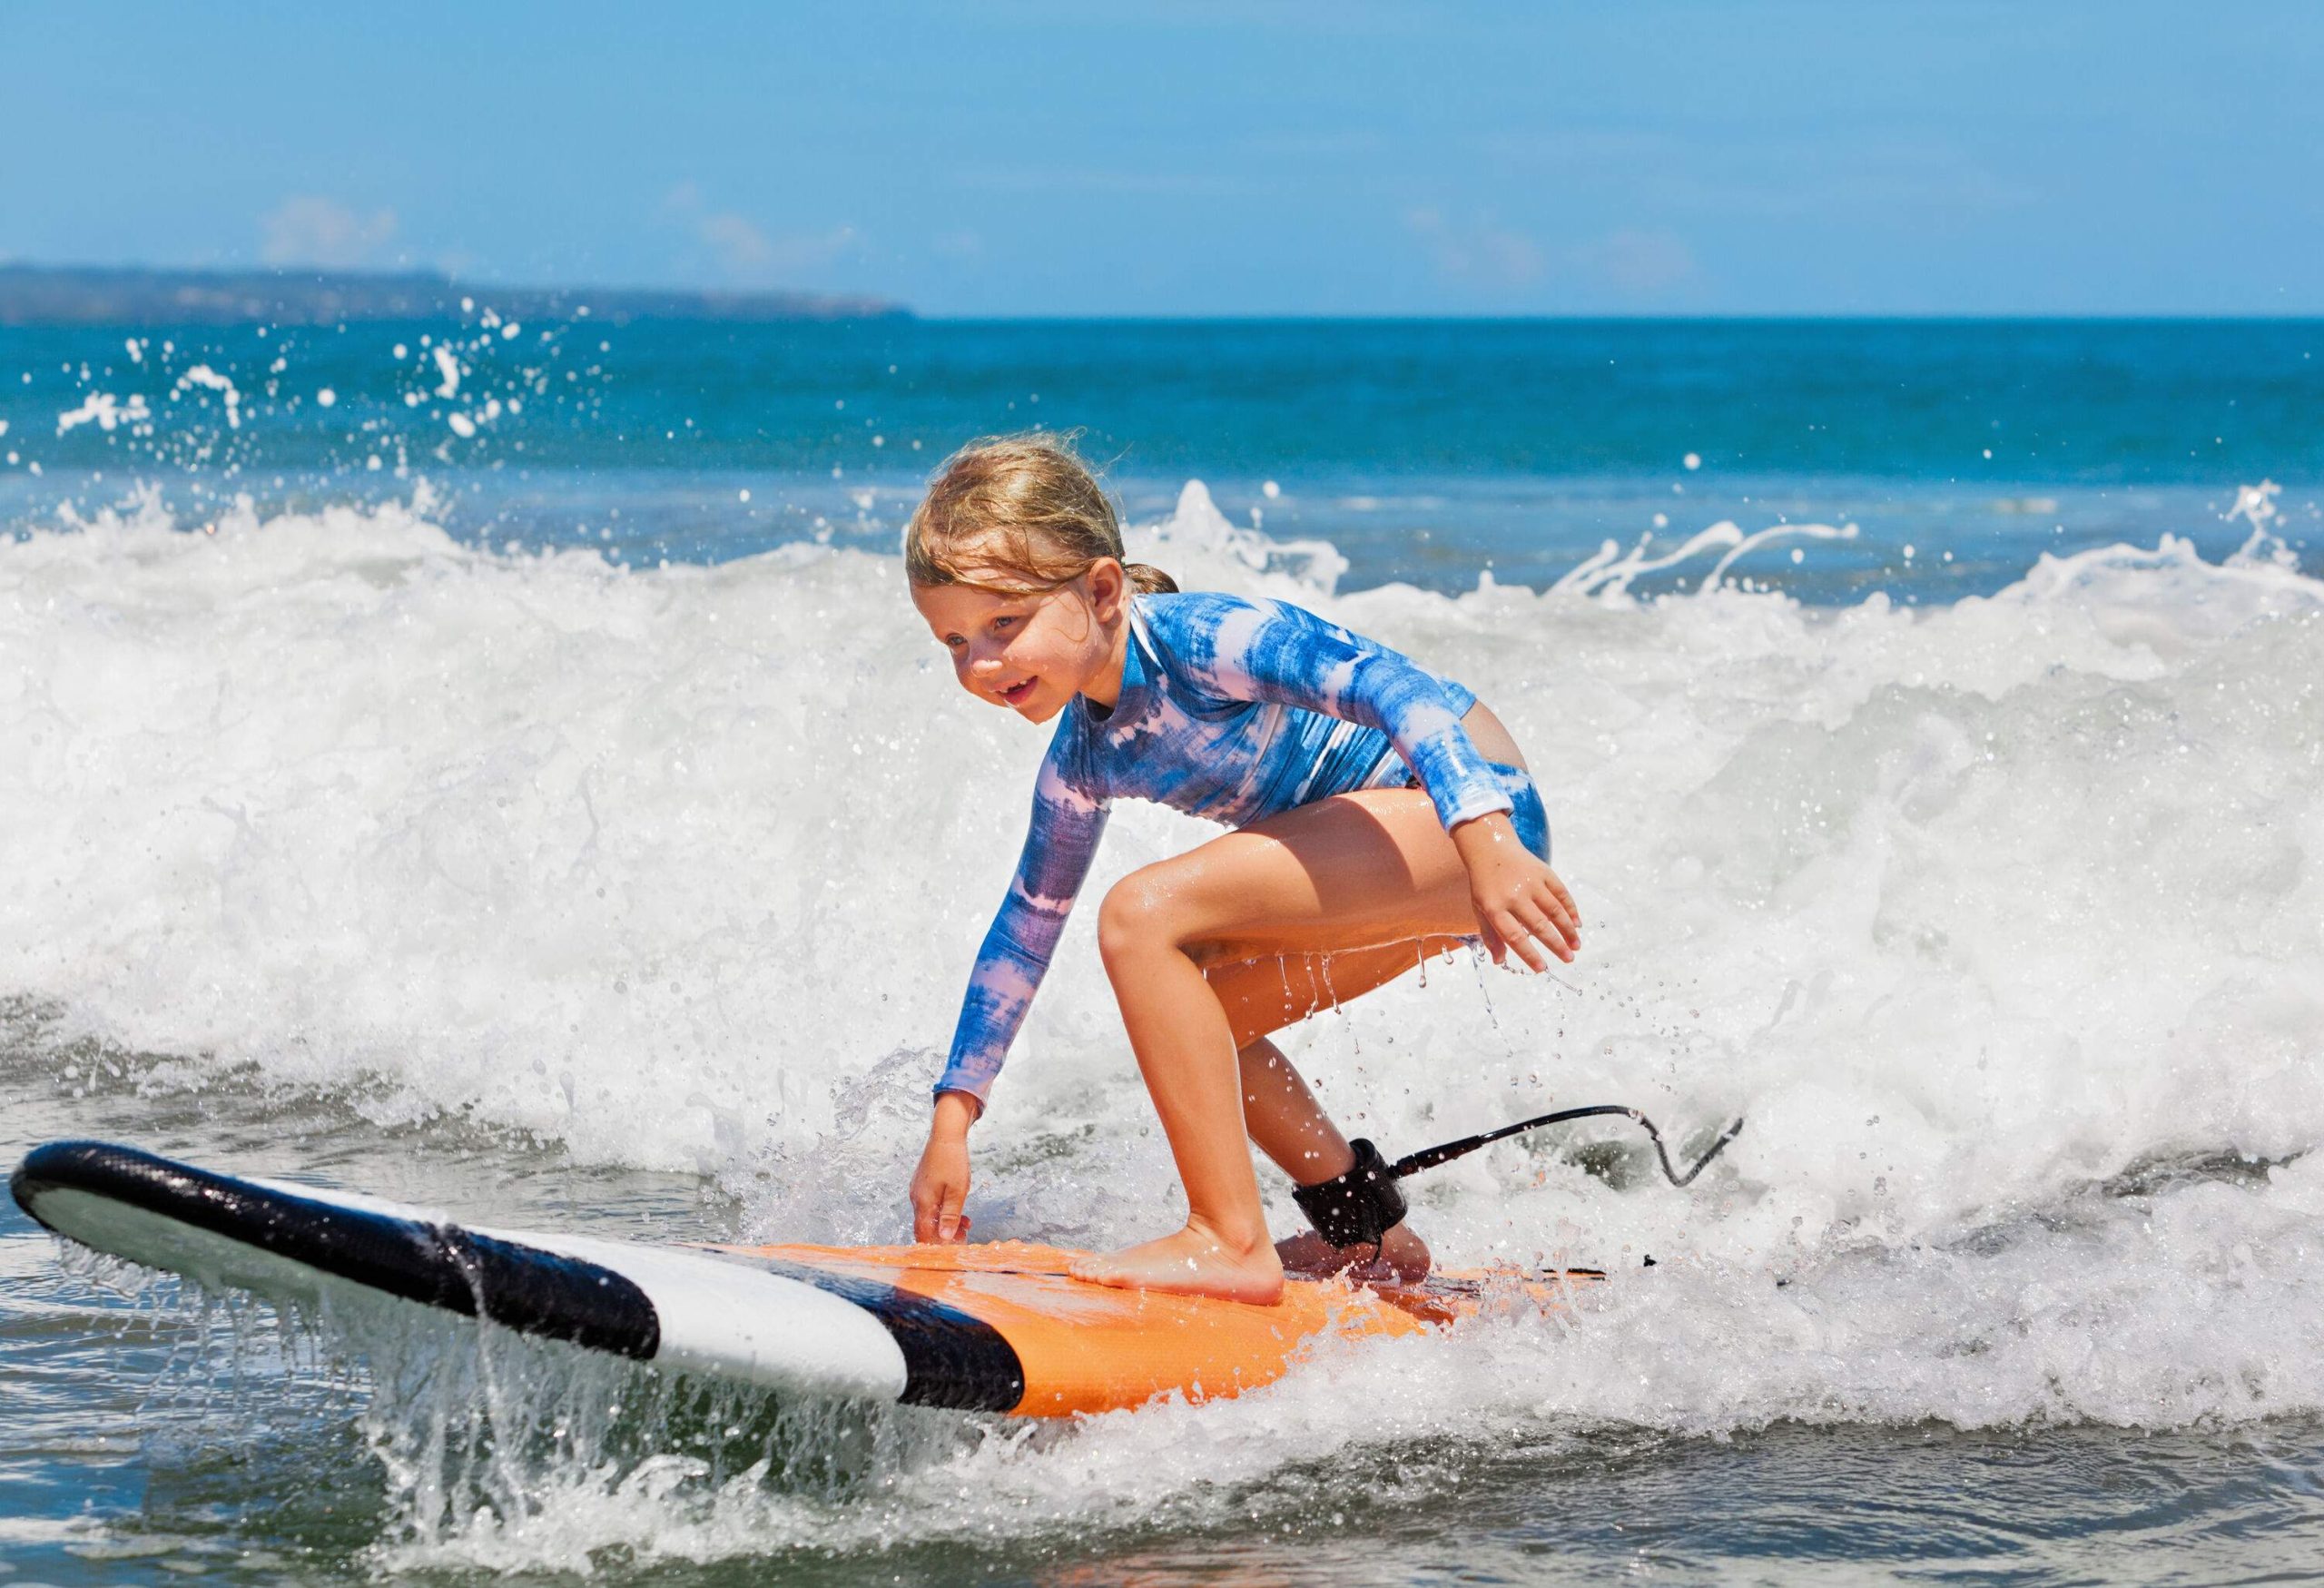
(1033, 654)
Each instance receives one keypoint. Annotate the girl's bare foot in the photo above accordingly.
(1403, 1257)
(1193, 1262)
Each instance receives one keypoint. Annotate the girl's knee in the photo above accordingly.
(1137, 916)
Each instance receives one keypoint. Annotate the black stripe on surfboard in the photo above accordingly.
(952, 1358)
(518, 1287)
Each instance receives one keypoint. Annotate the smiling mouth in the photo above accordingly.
(1016, 693)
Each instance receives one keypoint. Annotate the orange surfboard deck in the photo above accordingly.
(1085, 1347)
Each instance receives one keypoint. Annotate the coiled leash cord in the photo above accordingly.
(1358, 1208)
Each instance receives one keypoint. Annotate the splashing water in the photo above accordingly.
(2002, 921)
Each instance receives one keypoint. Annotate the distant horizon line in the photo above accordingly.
(833, 305)
(1669, 317)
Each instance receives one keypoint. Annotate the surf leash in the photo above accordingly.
(1411, 1163)
(1360, 1206)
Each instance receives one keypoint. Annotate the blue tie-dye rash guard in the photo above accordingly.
(1232, 710)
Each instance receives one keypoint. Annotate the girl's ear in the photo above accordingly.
(1108, 584)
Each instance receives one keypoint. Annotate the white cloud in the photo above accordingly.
(1770, 175)
(1477, 251)
(737, 248)
(1645, 264)
(307, 229)
(1085, 180)
(1640, 262)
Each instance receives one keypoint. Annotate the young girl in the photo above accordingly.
(1380, 814)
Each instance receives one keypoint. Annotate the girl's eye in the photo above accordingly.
(1005, 621)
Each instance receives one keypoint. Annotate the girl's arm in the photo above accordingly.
(1059, 847)
(1275, 652)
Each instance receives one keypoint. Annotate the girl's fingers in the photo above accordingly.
(1573, 911)
(1546, 932)
(1520, 937)
(1557, 906)
(1495, 948)
(1568, 925)
(936, 1215)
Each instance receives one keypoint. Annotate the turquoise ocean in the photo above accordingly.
(493, 765)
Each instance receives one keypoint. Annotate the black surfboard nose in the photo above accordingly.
(521, 1287)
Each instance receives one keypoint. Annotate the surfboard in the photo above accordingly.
(994, 1327)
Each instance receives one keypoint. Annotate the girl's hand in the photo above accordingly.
(1521, 907)
(940, 1184)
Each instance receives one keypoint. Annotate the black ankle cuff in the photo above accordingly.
(1358, 1208)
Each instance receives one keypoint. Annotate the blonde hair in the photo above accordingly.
(1024, 508)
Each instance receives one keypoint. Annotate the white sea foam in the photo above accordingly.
(2003, 923)
(103, 409)
(201, 377)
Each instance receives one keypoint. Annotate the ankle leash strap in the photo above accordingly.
(1358, 1208)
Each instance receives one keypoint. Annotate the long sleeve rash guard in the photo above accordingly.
(1229, 709)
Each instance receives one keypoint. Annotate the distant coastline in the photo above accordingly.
(130, 295)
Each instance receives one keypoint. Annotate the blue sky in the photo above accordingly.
(1874, 156)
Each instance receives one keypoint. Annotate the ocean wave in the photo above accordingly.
(1979, 913)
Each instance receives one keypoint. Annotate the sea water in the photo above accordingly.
(558, 817)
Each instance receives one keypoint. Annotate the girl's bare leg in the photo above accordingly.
(1291, 1128)
(1365, 870)
(1187, 1054)
(1282, 1115)
(1286, 1120)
